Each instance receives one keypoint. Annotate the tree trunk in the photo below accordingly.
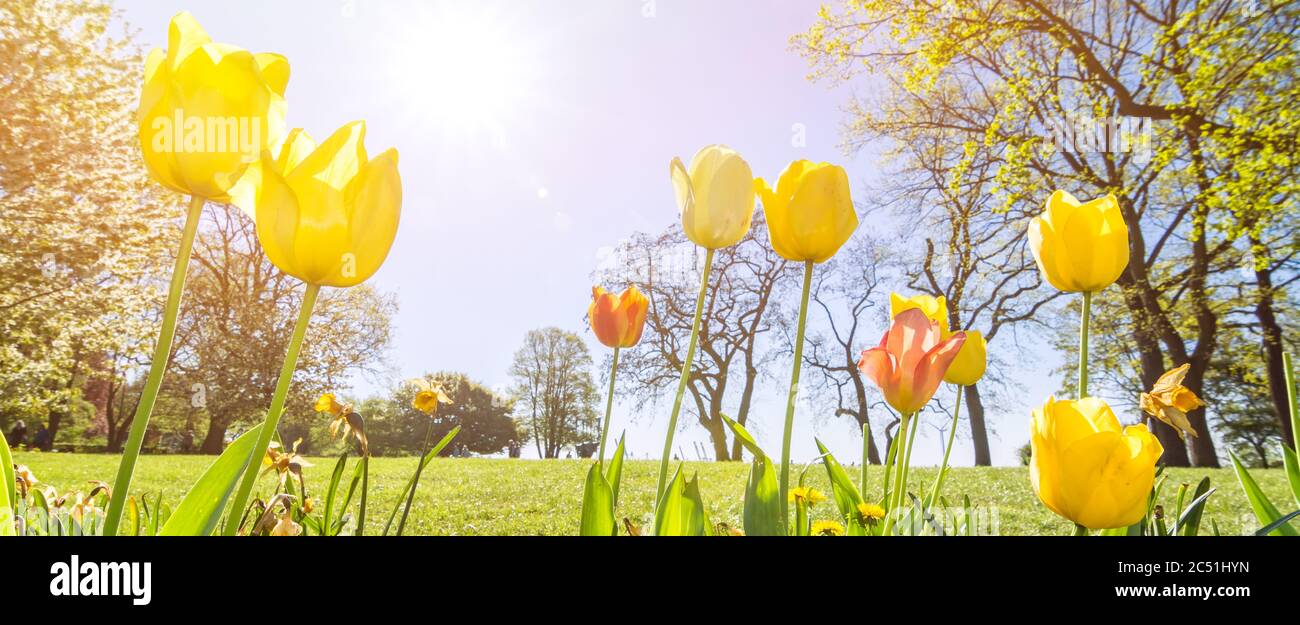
(742, 413)
(52, 429)
(718, 434)
(1272, 349)
(979, 434)
(215, 440)
(1152, 361)
(863, 415)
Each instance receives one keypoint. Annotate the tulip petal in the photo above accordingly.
(275, 71)
(277, 218)
(682, 186)
(374, 213)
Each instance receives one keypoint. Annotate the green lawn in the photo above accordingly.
(498, 496)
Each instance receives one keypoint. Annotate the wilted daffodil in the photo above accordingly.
(1170, 401)
(428, 396)
(344, 420)
(208, 110)
(935, 308)
(716, 196)
(284, 463)
(911, 360)
(326, 214)
(810, 214)
(617, 318)
(24, 480)
(1080, 247)
(1089, 469)
(284, 526)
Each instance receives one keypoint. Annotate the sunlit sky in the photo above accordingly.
(533, 134)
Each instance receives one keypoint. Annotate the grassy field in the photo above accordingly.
(498, 496)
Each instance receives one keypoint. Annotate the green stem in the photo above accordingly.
(866, 456)
(907, 460)
(365, 491)
(952, 435)
(1083, 344)
(161, 352)
(686, 374)
(415, 481)
(277, 403)
(793, 395)
(609, 410)
(1080, 530)
(900, 455)
(1289, 376)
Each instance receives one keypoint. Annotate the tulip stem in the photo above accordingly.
(866, 456)
(277, 407)
(1080, 530)
(793, 395)
(686, 374)
(157, 366)
(1084, 318)
(609, 410)
(900, 455)
(943, 468)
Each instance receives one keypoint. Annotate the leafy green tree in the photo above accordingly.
(84, 233)
(554, 391)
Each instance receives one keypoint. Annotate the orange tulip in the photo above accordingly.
(911, 360)
(617, 319)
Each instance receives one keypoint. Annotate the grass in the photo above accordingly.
(483, 496)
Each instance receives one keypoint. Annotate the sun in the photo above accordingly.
(463, 70)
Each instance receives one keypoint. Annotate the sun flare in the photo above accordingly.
(465, 71)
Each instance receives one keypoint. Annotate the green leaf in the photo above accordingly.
(1292, 466)
(8, 494)
(614, 474)
(330, 494)
(763, 500)
(1190, 521)
(1264, 509)
(746, 439)
(200, 510)
(762, 493)
(1281, 522)
(847, 497)
(597, 506)
(681, 510)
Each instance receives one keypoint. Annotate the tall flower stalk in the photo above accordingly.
(195, 79)
(686, 374)
(157, 366)
(793, 395)
(277, 403)
(809, 215)
(307, 185)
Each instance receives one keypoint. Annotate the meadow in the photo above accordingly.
(492, 496)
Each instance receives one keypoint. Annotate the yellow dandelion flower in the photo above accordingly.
(827, 528)
(806, 494)
(870, 513)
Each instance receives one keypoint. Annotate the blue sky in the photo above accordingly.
(533, 134)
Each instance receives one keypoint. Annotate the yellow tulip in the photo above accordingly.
(935, 308)
(208, 110)
(326, 214)
(716, 196)
(968, 367)
(810, 214)
(1086, 468)
(1080, 247)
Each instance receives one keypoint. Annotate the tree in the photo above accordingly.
(1182, 108)
(554, 390)
(484, 418)
(738, 312)
(235, 322)
(83, 231)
